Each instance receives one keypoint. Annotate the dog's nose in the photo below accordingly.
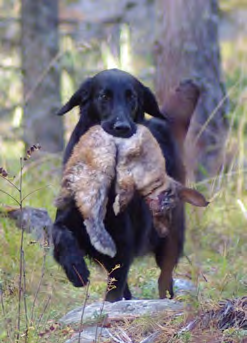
(121, 128)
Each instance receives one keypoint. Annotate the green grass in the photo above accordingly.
(215, 250)
(215, 258)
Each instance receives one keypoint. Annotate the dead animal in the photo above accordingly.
(137, 165)
(87, 177)
(141, 167)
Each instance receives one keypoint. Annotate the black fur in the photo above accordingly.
(118, 101)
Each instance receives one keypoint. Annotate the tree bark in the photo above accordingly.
(41, 75)
(188, 48)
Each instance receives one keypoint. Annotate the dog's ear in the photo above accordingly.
(80, 97)
(149, 103)
(191, 196)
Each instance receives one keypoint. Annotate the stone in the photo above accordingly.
(121, 309)
(35, 221)
(125, 309)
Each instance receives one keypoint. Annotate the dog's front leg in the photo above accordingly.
(68, 253)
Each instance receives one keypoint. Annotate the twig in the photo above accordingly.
(36, 190)
(36, 163)
(125, 335)
(21, 253)
(10, 196)
(188, 327)
(30, 93)
(83, 311)
(84, 304)
(109, 287)
(39, 285)
(118, 340)
(45, 308)
(24, 295)
(210, 117)
(11, 183)
(4, 316)
(28, 96)
(97, 326)
(212, 179)
(103, 302)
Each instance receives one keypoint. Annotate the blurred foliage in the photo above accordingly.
(229, 5)
(216, 238)
(79, 57)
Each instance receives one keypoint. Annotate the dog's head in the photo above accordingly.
(116, 100)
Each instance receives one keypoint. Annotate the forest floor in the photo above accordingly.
(215, 261)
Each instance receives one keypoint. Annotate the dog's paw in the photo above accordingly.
(76, 270)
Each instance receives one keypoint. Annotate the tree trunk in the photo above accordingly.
(188, 48)
(41, 75)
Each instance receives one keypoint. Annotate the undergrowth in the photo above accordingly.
(214, 260)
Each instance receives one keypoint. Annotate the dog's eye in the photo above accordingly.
(105, 96)
(130, 95)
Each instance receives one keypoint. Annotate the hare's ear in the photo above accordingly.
(80, 97)
(191, 196)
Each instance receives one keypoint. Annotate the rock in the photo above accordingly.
(89, 335)
(33, 220)
(183, 286)
(121, 309)
(125, 309)
(228, 314)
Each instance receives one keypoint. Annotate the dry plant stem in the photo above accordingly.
(103, 303)
(10, 196)
(43, 312)
(108, 287)
(225, 175)
(100, 315)
(4, 316)
(36, 190)
(11, 183)
(227, 143)
(21, 269)
(210, 117)
(241, 157)
(36, 163)
(46, 71)
(24, 294)
(39, 285)
(115, 339)
(42, 76)
(83, 311)
(84, 304)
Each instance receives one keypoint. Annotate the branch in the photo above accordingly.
(36, 190)
(10, 196)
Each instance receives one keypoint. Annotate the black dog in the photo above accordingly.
(118, 101)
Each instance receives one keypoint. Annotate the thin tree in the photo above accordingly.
(188, 47)
(40, 51)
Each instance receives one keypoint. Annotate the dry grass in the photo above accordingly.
(216, 251)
